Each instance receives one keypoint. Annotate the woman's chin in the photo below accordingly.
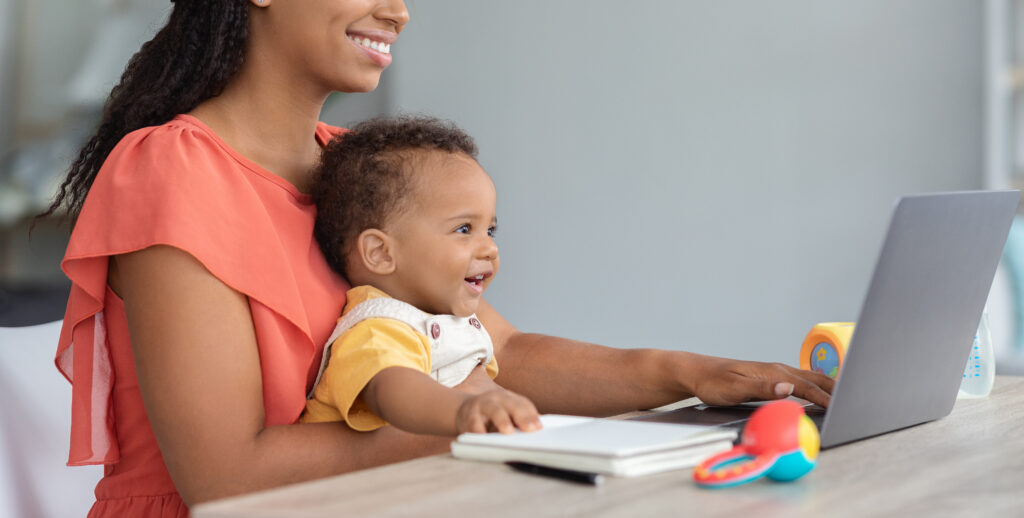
(361, 85)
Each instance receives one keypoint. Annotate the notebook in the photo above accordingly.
(906, 358)
(608, 446)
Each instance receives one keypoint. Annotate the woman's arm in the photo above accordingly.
(571, 377)
(199, 374)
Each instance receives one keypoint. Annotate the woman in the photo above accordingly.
(195, 241)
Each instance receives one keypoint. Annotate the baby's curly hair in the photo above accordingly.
(364, 175)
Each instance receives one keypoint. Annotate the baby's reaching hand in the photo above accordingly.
(497, 410)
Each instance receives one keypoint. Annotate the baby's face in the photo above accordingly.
(445, 249)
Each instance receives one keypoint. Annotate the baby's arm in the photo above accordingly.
(415, 402)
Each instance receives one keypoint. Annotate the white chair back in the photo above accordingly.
(35, 424)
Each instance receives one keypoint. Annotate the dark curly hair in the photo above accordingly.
(364, 175)
(189, 61)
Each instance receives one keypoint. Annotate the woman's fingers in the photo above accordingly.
(813, 393)
(730, 382)
(783, 389)
(824, 382)
(812, 386)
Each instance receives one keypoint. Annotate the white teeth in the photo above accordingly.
(379, 46)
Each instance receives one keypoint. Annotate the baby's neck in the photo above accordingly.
(386, 284)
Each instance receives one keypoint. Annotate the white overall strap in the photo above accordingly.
(381, 307)
(457, 346)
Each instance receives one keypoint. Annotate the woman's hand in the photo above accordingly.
(497, 410)
(721, 381)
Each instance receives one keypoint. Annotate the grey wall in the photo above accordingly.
(710, 176)
(7, 41)
(45, 66)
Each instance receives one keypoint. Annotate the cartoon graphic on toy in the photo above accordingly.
(779, 442)
(825, 347)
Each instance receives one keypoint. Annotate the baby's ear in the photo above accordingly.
(373, 248)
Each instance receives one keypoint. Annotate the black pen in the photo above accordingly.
(582, 477)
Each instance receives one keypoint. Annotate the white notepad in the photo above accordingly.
(609, 446)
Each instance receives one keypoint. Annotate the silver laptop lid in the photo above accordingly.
(918, 320)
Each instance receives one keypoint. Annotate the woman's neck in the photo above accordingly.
(266, 122)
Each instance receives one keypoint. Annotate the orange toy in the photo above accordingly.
(825, 347)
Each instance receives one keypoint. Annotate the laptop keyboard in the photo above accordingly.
(724, 416)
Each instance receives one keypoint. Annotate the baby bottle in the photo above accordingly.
(980, 371)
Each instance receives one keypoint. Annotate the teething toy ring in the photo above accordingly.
(779, 442)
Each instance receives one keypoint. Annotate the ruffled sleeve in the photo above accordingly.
(179, 185)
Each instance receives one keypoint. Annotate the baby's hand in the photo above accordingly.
(499, 410)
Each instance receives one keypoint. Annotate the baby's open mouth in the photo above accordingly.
(477, 281)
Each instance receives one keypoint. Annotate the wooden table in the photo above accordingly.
(970, 463)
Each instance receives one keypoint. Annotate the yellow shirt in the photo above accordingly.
(357, 356)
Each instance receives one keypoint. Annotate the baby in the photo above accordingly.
(407, 215)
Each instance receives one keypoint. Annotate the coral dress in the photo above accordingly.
(179, 184)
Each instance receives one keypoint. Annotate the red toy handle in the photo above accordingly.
(733, 467)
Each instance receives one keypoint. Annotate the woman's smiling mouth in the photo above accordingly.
(375, 44)
(379, 46)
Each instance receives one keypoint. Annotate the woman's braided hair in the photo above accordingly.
(189, 61)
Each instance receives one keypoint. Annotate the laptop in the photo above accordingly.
(906, 358)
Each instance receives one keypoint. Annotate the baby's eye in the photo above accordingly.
(492, 230)
(464, 229)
